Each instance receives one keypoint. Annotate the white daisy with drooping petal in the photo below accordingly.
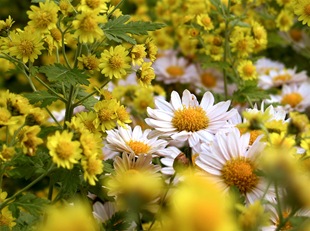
(230, 161)
(134, 141)
(187, 120)
(172, 69)
(276, 78)
(265, 65)
(293, 97)
(169, 155)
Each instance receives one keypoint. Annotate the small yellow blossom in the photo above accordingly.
(92, 167)
(64, 151)
(44, 17)
(115, 62)
(247, 70)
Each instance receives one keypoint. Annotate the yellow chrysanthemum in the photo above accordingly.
(93, 5)
(285, 20)
(44, 17)
(64, 151)
(106, 114)
(89, 62)
(6, 154)
(26, 46)
(5, 26)
(151, 49)
(145, 74)
(29, 139)
(75, 216)
(91, 143)
(302, 10)
(143, 98)
(197, 204)
(247, 70)
(87, 26)
(138, 54)
(92, 167)
(135, 176)
(115, 62)
(260, 37)
(241, 43)
(6, 218)
(205, 21)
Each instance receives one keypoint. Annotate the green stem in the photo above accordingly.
(279, 206)
(226, 50)
(94, 92)
(77, 54)
(285, 220)
(162, 200)
(5, 202)
(69, 106)
(50, 89)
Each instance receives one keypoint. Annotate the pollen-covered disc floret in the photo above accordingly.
(187, 120)
(231, 162)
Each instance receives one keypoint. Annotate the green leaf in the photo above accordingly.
(250, 92)
(60, 73)
(118, 221)
(67, 180)
(118, 29)
(31, 203)
(43, 97)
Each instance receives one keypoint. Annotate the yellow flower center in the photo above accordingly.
(43, 19)
(116, 62)
(284, 78)
(175, 71)
(242, 45)
(208, 80)
(217, 41)
(296, 35)
(288, 225)
(94, 166)
(104, 115)
(253, 135)
(292, 99)
(64, 150)
(240, 173)
(190, 119)
(93, 4)
(90, 63)
(285, 20)
(56, 34)
(26, 48)
(206, 21)
(249, 69)
(88, 24)
(138, 147)
(307, 10)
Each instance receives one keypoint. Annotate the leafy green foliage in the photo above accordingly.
(118, 221)
(30, 203)
(60, 73)
(67, 180)
(251, 92)
(118, 29)
(45, 98)
(26, 167)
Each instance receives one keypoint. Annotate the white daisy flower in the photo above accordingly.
(276, 78)
(293, 97)
(230, 161)
(103, 212)
(187, 120)
(209, 79)
(172, 69)
(134, 141)
(265, 65)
